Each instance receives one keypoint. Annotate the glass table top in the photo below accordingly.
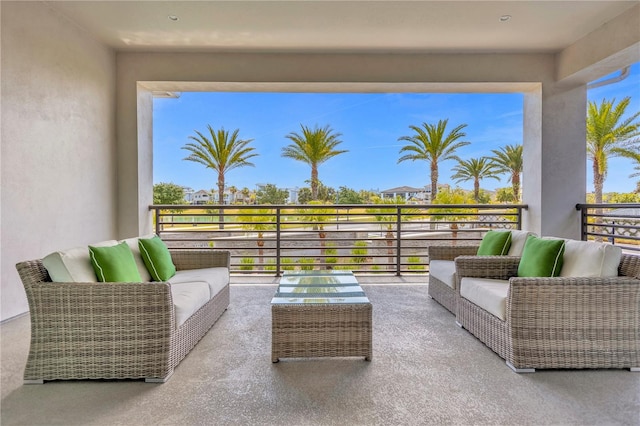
(319, 287)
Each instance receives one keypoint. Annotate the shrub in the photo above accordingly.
(271, 265)
(306, 263)
(359, 253)
(287, 264)
(246, 264)
(415, 264)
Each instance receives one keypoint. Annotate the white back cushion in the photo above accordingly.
(135, 249)
(590, 259)
(518, 238)
(73, 265)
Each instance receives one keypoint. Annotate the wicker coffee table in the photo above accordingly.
(320, 314)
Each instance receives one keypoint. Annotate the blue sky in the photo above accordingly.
(370, 125)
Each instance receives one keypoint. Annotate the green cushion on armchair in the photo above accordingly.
(541, 257)
(495, 243)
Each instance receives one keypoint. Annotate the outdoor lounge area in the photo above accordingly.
(78, 84)
(425, 370)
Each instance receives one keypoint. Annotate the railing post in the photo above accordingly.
(398, 245)
(278, 219)
(156, 212)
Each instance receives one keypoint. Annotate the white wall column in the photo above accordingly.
(554, 173)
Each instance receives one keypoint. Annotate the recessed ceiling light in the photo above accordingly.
(173, 17)
(505, 18)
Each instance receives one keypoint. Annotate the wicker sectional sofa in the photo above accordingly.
(114, 330)
(564, 322)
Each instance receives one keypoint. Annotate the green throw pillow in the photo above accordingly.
(114, 264)
(495, 243)
(157, 258)
(541, 257)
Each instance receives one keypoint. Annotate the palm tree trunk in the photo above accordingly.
(598, 184)
(221, 199)
(515, 183)
(314, 182)
(476, 190)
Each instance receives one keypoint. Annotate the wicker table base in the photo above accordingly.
(320, 326)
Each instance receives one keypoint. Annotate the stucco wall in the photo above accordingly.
(58, 141)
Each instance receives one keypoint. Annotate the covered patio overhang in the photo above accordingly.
(77, 116)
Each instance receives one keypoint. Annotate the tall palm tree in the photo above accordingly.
(475, 169)
(607, 134)
(508, 159)
(221, 152)
(431, 143)
(314, 147)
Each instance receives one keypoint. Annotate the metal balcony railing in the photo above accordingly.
(372, 238)
(618, 224)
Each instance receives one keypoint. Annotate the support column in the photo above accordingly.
(554, 173)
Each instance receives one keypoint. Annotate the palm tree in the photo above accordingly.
(314, 147)
(221, 152)
(430, 143)
(607, 136)
(508, 159)
(233, 190)
(475, 169)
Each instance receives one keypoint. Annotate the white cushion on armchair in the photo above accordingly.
(443, 270)
(590, 259)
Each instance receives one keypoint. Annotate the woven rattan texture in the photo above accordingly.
(112, 330)
(559, 322)
(321, 330)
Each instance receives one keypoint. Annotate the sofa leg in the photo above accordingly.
(34, 382)
(158, 379)
(459, 324)
(635, 369)
(521, 370)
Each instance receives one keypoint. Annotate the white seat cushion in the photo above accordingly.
(216, 278)
(443, 270)
(73, 265)
(188, 297)
(518, 238)
(590, 259)
(489, 294)
(135, 249)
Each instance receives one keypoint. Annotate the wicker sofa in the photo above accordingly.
(556, 323)
(107, 330)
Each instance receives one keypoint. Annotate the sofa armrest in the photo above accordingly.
(496, 267)
(451, 252)
(575, 322)
(200, 258)
(568, 300)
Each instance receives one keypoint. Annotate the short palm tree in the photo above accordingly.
(508, 159)
(475, 169)
(433, 144)
(314, 147)
(221, 152)
(608, 135)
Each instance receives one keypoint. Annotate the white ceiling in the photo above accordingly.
(341, 26)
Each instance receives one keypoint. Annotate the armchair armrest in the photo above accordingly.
(496, 267)
(451, 252)
(200, 258)
(575, 322)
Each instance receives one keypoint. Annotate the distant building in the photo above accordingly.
(201, 197)
(408, 193)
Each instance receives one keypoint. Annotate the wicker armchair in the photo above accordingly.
(557, 322)
(439, 290)
(113, 330)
